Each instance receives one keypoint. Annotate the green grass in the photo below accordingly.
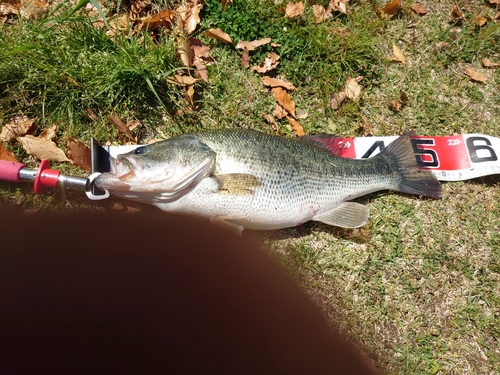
(417, 287)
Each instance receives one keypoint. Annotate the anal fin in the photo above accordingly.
(347, 215)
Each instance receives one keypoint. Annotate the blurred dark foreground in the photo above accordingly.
(114, 293)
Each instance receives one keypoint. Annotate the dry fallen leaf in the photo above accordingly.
(418, 8)
(274, 82)
(296, 126)
(79, 154)
(165, 18)
(49, 133)
(201, 70)
(279, 112)
(284, 99)
(6, 154)
(494, 2)
(294, 9)
(440, 46)
(352, 88)
(404, 98)
(178, 79)
(338, 5)
(487, 63)
(391, 8)
(17, 127)
(320, 13)
(8, 8)
(398, 54)
(480, 21)
(336, 99)
(269, 63)
(475, 76)
(190, 14)
(395, 105)
(120, 125)
(457, 14)
(245, 58)
(271, 120)
(184, 51)
(218, 34)
(189, 97)
(253, 44)
(42, 149)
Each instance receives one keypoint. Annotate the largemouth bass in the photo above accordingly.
(248, 179)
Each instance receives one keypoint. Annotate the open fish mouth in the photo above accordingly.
(123, 168)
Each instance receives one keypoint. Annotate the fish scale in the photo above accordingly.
(248, 179)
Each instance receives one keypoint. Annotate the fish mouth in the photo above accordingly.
(124, 168)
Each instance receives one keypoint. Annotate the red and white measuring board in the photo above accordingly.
(455, 158)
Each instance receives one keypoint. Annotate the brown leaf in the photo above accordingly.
(418, 8)
(165, 18)
(245, 58)
(178, 79)
(336, 99)
(480, 21)
(352, 88)
(271, 120)
(338, 5)
(440, 46)
(218, 34)
(279, 111)
(404, 98)
(320, 13)
(189, 97)
(494, 2)
(42, 149)
(294, 9)
(6, 154)
(190, 14)
(17, 127)
(398, 54)
(199, 49)
(274, 82)
(184, 51)
(284, 99)
(120, 125)
(49, 133)
(79, 154)
(253, 44)
(395, 105)
(456, 13)
(269, 63)
(12, 7)
(475, 76)
(296, 127)
(487, 63)
(391, 8)
(201, 70)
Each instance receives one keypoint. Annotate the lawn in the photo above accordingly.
(417, 288)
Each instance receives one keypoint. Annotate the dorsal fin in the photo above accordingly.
(328, 142)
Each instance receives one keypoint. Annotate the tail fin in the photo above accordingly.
(401, 157)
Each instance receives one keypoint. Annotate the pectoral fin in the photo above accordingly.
(237, 183)
(347, 215)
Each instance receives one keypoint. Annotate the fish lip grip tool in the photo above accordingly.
(44, 177)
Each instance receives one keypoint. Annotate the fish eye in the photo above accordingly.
(140, 150)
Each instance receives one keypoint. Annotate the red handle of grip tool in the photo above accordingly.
(45, 177)
(9, 171)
